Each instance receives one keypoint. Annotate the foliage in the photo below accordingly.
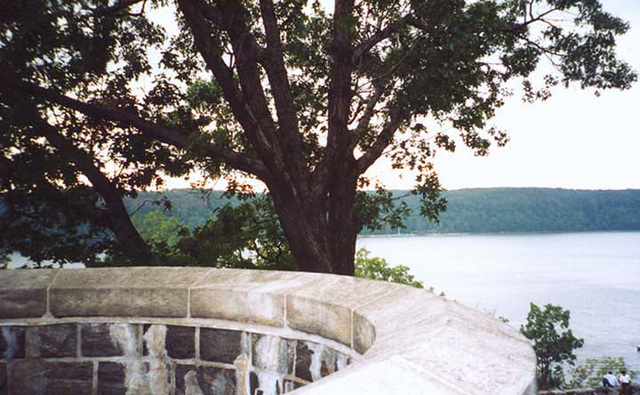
(242, 235)
(590, 374)
(469, 210)
(98, 101)
(157, 227)
(553, 342)
(376, 268)
(527, 210)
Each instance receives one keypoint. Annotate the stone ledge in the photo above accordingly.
(410, 339)
(24, 293)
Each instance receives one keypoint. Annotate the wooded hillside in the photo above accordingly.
(469, 210)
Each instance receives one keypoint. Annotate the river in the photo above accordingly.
(594, 275)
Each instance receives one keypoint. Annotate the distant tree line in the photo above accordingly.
(489, 210)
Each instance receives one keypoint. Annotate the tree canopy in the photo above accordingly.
(98, 100)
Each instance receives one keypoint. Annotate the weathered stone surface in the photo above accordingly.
(3, 379)
(303, 362)
(324, 307)
(107, 340)
(111, 378)
(315, 361)
(484, 355)
(413, 342)
(155, 339)
(290, 385)
(254, 383)
(150, 292)
(386, 315)
(252, 296)
(35, 376)
(134, 377)
(180, 342)
(50, 341)
(23, 293)
(12, 342)
(204, 380)
(220, 345)
(273, 353)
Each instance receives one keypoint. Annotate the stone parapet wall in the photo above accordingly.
(101, 357)
(164, 330)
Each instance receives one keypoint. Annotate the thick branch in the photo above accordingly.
(365, 120)
(249, 105)
(339, 139)
(384, 139)
(165, 135)
(340, 86)
(517, 28)
(274, 65)
(202, 35)
(377, 38)
(116, 217)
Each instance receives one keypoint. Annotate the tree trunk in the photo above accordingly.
(321, 230)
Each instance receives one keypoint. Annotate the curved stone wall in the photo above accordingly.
(184, 330)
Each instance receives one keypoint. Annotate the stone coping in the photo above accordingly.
(409, 340)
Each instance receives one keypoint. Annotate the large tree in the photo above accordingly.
(302, 95)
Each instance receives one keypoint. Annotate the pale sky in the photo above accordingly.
(573, 140)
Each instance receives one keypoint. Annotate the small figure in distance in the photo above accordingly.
(609, 381)
(625, 383)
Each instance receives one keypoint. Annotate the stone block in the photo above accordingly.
(254, 384)
(112, 378)
(204, 380)
(52, 341)
(304, 356)
(290, 385)
(108, 340)
(219, 345)
(154, 340)
(36, 376)
(138, 291)
(324, 308)
(12, 342)
(399, 310)
(180, 342)
(134, 377)
(251, 296)
(4, 387)
(23, 293)
(315, 361)
(272, 353)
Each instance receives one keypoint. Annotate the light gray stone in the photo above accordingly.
(385, 315)
(250, 296)
(325, 307)
(412, 341)
(23, 293)
(127, 292)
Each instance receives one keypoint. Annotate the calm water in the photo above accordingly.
(594, 275)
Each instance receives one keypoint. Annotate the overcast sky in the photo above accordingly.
(573, 140)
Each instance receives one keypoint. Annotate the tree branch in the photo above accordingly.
(248, 105)
(397, 117)
(165, 135)
(274, 65)
(116, 216)
(337, 154)
(378, 37)
(363, 123)
(520, 26)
